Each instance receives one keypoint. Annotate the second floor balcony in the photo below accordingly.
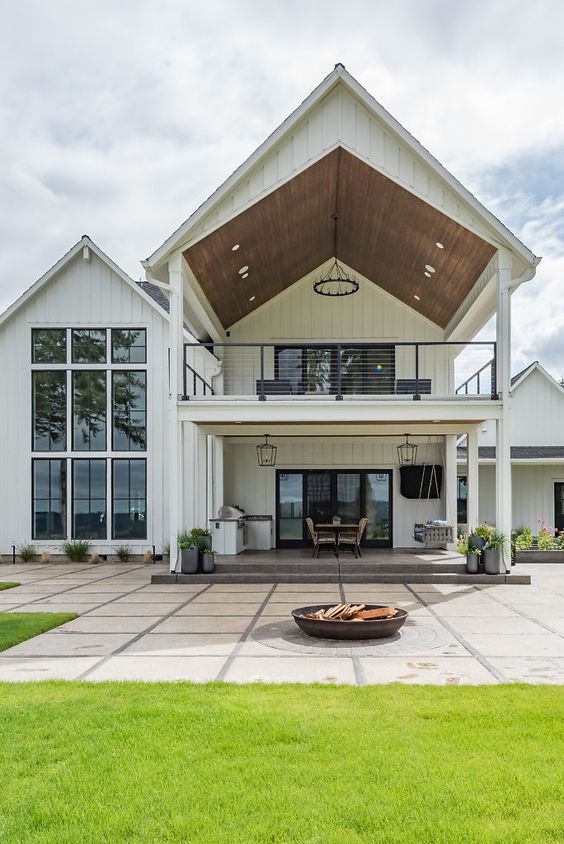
(343, 371)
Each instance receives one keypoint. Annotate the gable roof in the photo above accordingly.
(340, 76)
(535, 366)
(46, 278)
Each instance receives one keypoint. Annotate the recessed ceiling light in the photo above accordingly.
(252, 299)
(439, 244)
(429, 268)
(245, 275)
(243, 270)
(236, 247)
(427, 274)
(415, 296)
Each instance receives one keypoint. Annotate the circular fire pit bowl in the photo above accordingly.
(375, 628)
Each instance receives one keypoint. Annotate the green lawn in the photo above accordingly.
(8, 585)
(16, 627)
(161, 763)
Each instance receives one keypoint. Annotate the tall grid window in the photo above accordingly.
(129, 494)
(49, 512)
(84, 381)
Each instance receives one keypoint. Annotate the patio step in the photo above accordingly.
(347, 568)
(346, 577)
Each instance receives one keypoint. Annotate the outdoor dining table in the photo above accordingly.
(343, 526)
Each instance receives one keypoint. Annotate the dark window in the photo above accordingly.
(89, 499)
(49, 345)
(49, 499)
(364, 369)
(129, 346)
(129, 499)
(89, 410)
(462, 500)
(89, 345)
(129, 403)
(49, 410)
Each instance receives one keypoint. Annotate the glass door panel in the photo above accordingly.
(348, 492)
(378, 508)
(319, 504)
(290, 507)
(559, 506)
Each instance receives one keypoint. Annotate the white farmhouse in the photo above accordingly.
(326, 295)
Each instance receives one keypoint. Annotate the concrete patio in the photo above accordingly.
(131, 630)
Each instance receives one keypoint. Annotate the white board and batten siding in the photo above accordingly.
(340, 118)
(85, 293)
(533, 494)
(254, 488)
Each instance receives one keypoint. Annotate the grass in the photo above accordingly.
(16, 627)
(129, 762)
(8, 585)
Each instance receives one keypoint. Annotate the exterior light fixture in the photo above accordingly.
(243, 270)
(252, 298)
(336, 281)
(439, 245)
(429, 268)
(427, 274)
(407, 453)
(415, 296)
(245, 275)
(266, 453)
(236, 247)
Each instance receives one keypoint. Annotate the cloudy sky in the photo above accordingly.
(118, 118)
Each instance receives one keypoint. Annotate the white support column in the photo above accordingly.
(503, 516)
(472, 503)
(174, 426)
(451, 484)
(217, 476)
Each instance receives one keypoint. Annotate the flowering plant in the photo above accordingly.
(545, 537)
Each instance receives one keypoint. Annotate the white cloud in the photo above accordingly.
(119, 119)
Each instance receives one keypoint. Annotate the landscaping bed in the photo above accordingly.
(132, 762)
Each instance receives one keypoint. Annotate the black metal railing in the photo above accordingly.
(486, 376)
(344, 370)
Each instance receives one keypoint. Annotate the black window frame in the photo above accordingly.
(128, 362)
(74, 374)
(333, 348)
(100, 363)
(34, 332)
(117, 373)
(90, 498)
(461, 501)
(128, 460)
(34, 374)
(64, 497)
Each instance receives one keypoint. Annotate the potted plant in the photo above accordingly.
(208, 561)
(466, 547)
(189, 553)
(493, 552)
(202, 537)
(480, 535)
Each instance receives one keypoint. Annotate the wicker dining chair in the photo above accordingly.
(353, 538)
(320, 537)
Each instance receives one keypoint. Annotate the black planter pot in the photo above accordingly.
(492, 561)
(208, 563)
(477, 541)
(189, 561)
(473, 563)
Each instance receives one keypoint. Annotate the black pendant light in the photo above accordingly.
(407, 453)
(336, 281)
(266, 453)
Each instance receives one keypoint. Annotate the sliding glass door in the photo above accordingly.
(324, 493)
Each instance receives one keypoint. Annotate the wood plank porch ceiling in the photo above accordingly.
(385, 233)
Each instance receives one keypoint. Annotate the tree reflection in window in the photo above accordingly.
(49, 345)
(89, 410)
(129, 346)
(89, 345)
(49, 411)
(129, 403)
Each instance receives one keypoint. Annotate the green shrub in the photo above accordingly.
(186, 541)
(27, 552)
(496, 541)
(462, 545)
(524, 539)
(484, 530)
(545, 538)
(123, 552)
(76, 550)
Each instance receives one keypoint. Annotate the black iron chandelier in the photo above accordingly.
(266, 453)
(407, 453)
(336, 281)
